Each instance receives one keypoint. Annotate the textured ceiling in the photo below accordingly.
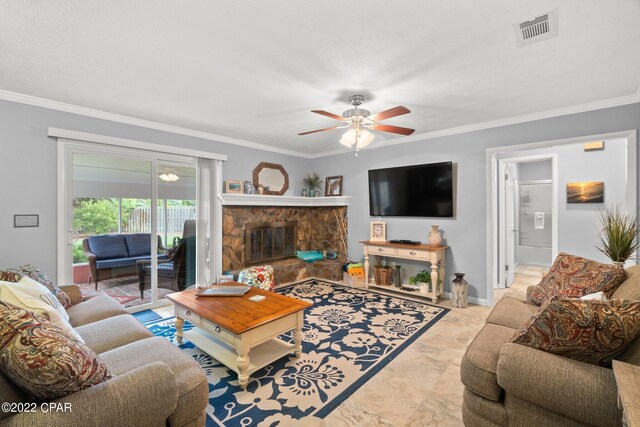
(253, 70)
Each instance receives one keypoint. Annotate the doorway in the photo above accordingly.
(527, 203)
(574, 226)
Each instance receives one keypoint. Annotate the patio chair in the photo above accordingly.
(175, 273)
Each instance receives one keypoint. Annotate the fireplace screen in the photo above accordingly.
(268, 241)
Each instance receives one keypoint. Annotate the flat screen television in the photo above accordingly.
(417, 190)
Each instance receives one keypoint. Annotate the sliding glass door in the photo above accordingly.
(131, 223)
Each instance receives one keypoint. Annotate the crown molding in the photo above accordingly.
(89, 112)
(98, 114)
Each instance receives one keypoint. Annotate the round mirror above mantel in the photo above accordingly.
(273, 178)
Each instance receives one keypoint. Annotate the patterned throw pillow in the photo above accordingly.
(9, 276)
(17, 295)
(572, 276)
(37, 275)
(590, 331)
(43, 360)
(260, 277)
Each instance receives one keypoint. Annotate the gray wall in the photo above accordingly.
(29, 169)
(534, 171)
(466, 233)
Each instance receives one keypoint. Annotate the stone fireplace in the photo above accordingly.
(317, 228)
(269, 241)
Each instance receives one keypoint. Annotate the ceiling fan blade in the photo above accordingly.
(391, 112)
(394, 129)
(328, 114)
(318, 130)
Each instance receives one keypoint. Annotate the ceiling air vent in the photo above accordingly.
(542, 27)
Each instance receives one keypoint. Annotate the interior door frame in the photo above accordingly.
(491, 158)
(502, 253)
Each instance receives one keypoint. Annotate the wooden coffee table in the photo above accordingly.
(241, 334)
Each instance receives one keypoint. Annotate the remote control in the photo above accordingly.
(405, 242)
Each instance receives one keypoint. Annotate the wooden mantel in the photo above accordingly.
(233, 199)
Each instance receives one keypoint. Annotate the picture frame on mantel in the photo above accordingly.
(232, 186)
(377, 231)
(333, 186)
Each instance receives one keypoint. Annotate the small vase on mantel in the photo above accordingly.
(619, 264)
(435, 238)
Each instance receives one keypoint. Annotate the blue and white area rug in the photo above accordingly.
(349, 335)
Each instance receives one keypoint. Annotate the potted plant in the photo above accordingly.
(422, 279)
(312, 181)
(619, 234)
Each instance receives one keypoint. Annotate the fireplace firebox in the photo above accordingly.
(268, 241)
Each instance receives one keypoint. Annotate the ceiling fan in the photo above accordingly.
(360, 121)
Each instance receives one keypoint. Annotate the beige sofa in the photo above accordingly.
(509, 384)
(153, 382)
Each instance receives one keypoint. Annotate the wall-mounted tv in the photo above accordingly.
(417, 190)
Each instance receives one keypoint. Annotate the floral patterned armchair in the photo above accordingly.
(260, 276)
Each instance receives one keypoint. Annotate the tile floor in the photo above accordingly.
(421, 387)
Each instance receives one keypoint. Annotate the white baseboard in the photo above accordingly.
(472, 300)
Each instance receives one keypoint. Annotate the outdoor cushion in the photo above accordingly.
(480, 362)
(124, 262)
(165, 269)
(108, 246)
(589, 331)
(42, 359)
(138, 244)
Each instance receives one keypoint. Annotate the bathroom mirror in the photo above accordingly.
(272, 177)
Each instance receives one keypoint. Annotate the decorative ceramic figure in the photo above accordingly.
(260, 189)
(248, 187)
(317, 193)
(459, 291)
(435, 238)
(304, 192)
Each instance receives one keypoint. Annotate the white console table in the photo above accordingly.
(431, 254)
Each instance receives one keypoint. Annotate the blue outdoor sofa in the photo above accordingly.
(115, 255)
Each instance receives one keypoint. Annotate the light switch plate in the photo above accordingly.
(32, 220)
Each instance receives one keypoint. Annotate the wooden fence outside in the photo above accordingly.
(140, 219)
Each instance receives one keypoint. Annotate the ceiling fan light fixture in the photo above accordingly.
(169, 177)
(358, 137)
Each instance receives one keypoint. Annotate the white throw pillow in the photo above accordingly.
(15, 295)
(39, 291)
(596, 296)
